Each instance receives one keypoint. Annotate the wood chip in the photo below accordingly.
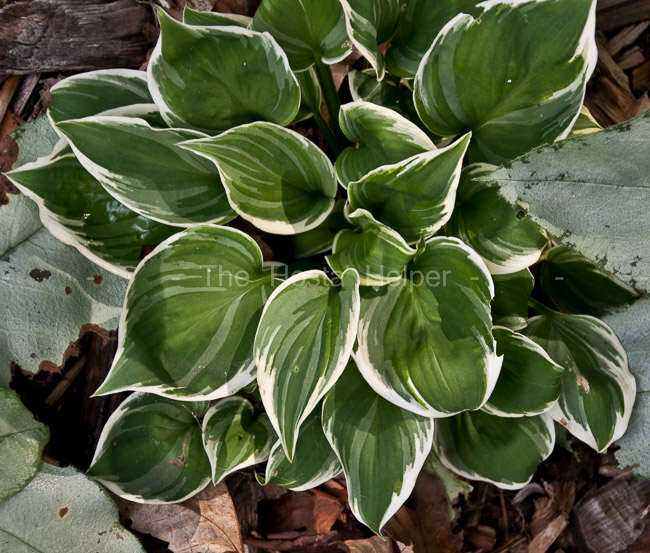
(7, 93)
(614, 14)
(641, 77)
(631, 58)
(609, 104)
(626, 37)
(610, 68)
(547, 537)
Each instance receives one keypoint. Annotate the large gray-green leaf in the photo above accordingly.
(425, 342)
(510, 303)
(22, 440)
(190, 317)
(275, 178)
(303, 343)
(61, 511)
(515, 76)
(381, 447)
(416, 196)
(213, 78)
(150, 450)
(308, 31)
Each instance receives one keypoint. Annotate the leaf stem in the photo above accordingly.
(331, 96)
(327, 131)
(539, 307)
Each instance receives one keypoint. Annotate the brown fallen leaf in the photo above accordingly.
(374, 545)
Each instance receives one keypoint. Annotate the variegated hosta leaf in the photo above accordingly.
(425, 342)
(597, 386)
(194, 17)
(578, 285)
(382, 136)
(585, 123)
(234, 437)
(419, 23)
(510, 303)
(503, 451)
(416, 196)
(311, 95)
(381, 447)
(213, 78)
(75, 208)
(150, 450)
(377, 252)
(94, 92)
(321, 238)
(308, 31)
(303, 343)
(530, 381)
(491, 226)
(275, 178)
(144, 169)
(515, 76)
(190, 317)
(371, 23)
(314, 461)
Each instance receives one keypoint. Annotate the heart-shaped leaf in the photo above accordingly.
(144, 169)
(510, 303)
(503, 451)
(416, 196)
(190, 317)
(515, 76)
(382, 136)
(308, 31)
(275, 178)
(212, 78)
(150, 450)
(381, 447)
(425, 342)
(234, 437)
(303, 343)
(194, 17)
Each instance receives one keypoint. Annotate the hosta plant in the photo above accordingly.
(394, 321)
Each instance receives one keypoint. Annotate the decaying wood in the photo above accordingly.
(631, 58)
(65, 35)
(625, 37)
(7, 93)
(641, 77)
(614, 14)
(610, 68)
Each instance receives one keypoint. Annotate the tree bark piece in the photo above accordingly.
(614, 14)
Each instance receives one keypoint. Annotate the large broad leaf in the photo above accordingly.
(194, 17)
(425, 342)
(516, 76)
(213, 78)
(597, 386)
(150, 450)
(494, 449)
(61, 511)
(303, 343)
(234, 437)
(308, 31)
(190, 317)
(145, 170)
(530, 381)
(275, 178)
(382, 136)
(314, 463)
(320, 238)
(510, 303)
(419, 23)
(486, 222)
(416, 196)
(22, 440)
(381, 447)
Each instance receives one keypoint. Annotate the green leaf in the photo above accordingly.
(275, 178)
(510, 303)
(515, 76)
(381, 447)
(193, 17)
(93, 92)
(212, 78)
(321, 238)
(488, 224)
(578, 285)
(419, 23)
(370, 23)
(425, 342)
(529, 382)
(61, 511)
(234, 437)
(190, 317)
(503, 451)
(303, 343)
(308, 31)
(314, 461)
(377, 252)
(416, 196)
(22, 440)
(311, 94)
(383, 137)
(150, 450)
(597, 386)
(453, 485)
(144, 169)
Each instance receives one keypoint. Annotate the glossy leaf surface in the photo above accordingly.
(194, 17)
